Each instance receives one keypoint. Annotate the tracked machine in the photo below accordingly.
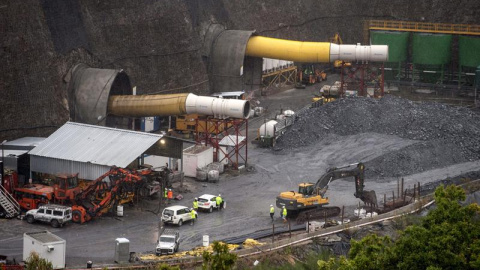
(310, 200)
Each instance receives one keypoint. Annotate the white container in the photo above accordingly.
(47, 245)
(122, 250)
(221, 157)
(289, 113)
(206, 240)
(213, 175)
(314, 226)
(201, 175)
(119, 210)
(361, 213)
(268, 129)
(197, 156)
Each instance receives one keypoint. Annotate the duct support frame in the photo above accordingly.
(238, 150)
(361, 76)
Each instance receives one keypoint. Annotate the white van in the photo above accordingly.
(176, 214)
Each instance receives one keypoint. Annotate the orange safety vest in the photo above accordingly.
(170, 194)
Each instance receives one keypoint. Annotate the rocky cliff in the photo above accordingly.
(158, 43)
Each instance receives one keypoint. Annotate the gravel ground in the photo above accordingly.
(249, 194)
(441, 135)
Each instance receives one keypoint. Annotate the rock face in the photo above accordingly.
(158, 43)
(443, 135)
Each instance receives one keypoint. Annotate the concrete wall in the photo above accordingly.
(158, 42)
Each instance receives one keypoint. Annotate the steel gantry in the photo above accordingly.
(226, 137)
(423, 27)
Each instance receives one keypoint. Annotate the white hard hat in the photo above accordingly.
(196, 198)
(271, 205)
(219, 195)
(284, 206)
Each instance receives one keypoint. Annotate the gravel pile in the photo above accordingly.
(447, 135)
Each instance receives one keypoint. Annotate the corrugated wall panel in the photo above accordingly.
(86, 171)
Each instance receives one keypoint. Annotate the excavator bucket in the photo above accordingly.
(369, 197)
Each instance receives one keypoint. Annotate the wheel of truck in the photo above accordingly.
(55, 223)
(180, 222)
(211, 209)
(30, 219)
(76, 216)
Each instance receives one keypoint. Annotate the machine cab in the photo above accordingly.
(66, 186)
(306, 189)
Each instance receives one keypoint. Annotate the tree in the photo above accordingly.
(447, 238)
(220, 259)
(34, 262)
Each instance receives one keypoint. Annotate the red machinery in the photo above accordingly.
(100, 196)
(117, 186)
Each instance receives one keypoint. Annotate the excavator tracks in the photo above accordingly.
(321, 212)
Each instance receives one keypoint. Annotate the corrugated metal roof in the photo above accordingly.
(231, 140)
(14, 153)
(95, 144)
(25, 143)
(45, 237)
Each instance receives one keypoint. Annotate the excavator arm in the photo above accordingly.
(358, 172)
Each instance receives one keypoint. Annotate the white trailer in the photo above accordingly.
(47, 245)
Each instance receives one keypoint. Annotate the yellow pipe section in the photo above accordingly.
(298, 51)
(148, 105)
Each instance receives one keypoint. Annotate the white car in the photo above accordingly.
(208, 202)
(176, 214)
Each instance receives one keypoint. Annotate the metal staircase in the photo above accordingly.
(8, 203)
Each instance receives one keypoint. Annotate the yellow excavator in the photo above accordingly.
(312, 195)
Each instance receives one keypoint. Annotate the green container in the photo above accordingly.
(469, 51)
(397, 44)
(431, 49)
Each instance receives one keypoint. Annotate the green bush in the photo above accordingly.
(34, 262)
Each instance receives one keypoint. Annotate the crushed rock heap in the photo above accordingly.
(446, 134)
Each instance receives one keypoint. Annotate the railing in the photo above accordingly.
(14, 206)
(445, 28)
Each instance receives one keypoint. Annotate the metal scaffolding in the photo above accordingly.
(280, 77)
(366, 78)
(227, 139)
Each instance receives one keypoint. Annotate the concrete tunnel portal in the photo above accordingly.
(104, 96)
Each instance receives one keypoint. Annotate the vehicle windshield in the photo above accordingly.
(167, 239)
(306, 190)
(168, 212)
(202, 200)
(72, 182)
